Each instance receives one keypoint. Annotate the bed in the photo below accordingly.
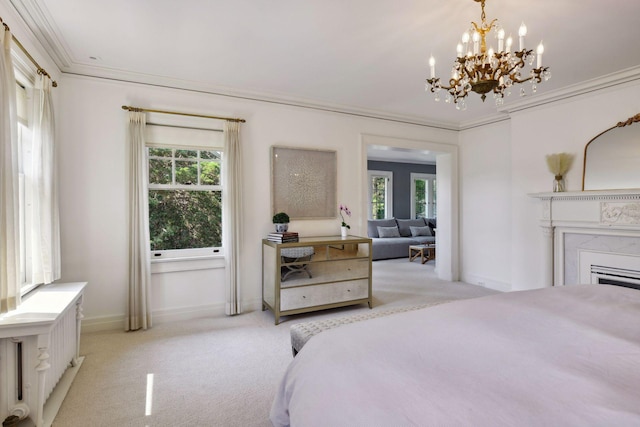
(565, 356)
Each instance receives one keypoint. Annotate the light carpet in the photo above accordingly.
(216, 371)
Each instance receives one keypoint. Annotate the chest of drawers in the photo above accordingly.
(315, 273)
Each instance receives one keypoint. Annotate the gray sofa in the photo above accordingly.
(398, 235)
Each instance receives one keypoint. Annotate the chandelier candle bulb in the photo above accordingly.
(539, 51)
(500, 40)
(522, 32)
(432, 66)
(465, 43)
(476, 42)
(509, 43)
(459, 50)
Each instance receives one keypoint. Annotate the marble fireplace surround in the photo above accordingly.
(582, 227)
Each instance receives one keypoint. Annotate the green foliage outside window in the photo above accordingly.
(179, 217)
(421, 198)
(378, 197)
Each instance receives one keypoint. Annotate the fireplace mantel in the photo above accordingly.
(612, 213)
(628, 194)
(611, 208)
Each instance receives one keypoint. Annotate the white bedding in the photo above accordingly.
(562, 356)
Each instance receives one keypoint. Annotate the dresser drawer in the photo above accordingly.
(328, 293)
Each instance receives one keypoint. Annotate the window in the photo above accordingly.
(25, 179)
(423, 196)
(380, 194)
(185, 194)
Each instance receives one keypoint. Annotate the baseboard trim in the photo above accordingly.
(486, 282)
(112, 323)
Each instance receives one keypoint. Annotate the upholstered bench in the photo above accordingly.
(302, 332)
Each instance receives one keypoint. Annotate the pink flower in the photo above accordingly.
(345, 209)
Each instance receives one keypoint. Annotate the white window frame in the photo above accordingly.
(189, 254)
(431, 202)
(388, 199)
(189, 133)
(24, 126)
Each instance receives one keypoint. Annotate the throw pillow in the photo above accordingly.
(388, 231)
(373, 224)
(420, 231)
(404, 224)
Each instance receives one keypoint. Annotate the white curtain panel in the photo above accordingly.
(9, 205)
(46, 224)
(139, 303)
(231, 214)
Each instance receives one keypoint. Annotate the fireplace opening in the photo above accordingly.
(615, 276)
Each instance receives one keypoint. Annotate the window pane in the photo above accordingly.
(210, 155)
(421, 198)
(434, 207)
(159, 171)
(186, 172)
(378, 198)
(187, 154)
(181, 219)
(160, 152)
(210, 173)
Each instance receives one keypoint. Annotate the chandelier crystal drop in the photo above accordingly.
(483, 70)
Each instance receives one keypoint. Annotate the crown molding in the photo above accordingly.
(614, 79)
(173, 83)
(39, 22)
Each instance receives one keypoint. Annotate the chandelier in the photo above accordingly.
(483, 70)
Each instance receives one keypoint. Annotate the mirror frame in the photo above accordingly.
(628, 122)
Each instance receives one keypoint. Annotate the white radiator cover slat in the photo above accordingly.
(47, 325)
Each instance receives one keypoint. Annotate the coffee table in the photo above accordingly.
(426, 252)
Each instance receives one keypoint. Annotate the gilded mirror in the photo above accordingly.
(612, 158)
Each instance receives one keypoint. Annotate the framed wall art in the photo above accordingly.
(304, 182)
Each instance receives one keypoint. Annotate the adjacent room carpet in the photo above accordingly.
(216, 371)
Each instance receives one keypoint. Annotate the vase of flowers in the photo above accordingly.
(344, 227)
(559, 165)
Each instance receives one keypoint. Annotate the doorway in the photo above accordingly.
(446, 187)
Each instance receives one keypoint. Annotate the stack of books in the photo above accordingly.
(286, 237)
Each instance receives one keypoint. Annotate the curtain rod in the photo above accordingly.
(41, 70)
(125, 107)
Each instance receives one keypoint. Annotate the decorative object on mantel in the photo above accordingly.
(611, 158)
(344, 228)
(281, 221)
(559, 165)
(482, 71)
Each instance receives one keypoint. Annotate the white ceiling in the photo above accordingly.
(360, 56)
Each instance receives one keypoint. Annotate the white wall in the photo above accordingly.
(502, 243)
(485, 205)
(92, 158)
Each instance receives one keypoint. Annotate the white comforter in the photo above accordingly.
(563, 356)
